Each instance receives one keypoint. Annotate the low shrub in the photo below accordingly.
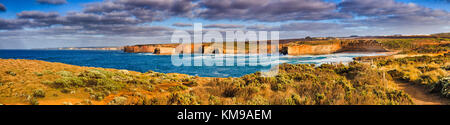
(183, 99)
(38, 93)
(177, 88)
(120, 100)
(65, 73)
(33, 101)
(10, 73)
(442, 87)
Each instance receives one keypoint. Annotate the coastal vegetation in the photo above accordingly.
(300, 84)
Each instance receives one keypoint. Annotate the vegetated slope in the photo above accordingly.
(421, 69)
(442, 34)
(428, 75)
(38, 82)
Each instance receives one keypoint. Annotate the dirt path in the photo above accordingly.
(420, 96)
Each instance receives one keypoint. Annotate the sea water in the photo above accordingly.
(143, 62)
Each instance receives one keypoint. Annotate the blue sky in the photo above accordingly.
(33, 24)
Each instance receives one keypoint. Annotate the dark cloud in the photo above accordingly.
(111, 23)
(182, 24)
(40, 19)
(145, 10)
(389, 13)
(54, 2)
(2, 8)
(297, 26)
(12, 24)
(223, 26)
(83, 19)
(377, 7)
(36, 15)
(269, 10)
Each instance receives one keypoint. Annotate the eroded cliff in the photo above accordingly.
(292, 48)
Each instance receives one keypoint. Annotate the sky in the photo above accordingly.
(27, 24)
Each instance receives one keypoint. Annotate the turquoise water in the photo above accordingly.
(142, 62)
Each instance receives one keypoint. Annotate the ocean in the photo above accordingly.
(143, 62)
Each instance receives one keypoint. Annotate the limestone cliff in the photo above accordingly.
(292, 48)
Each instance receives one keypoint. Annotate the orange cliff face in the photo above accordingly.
(312, 49)
(287, 49)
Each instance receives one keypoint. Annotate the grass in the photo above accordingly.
(313, 86)
(426, 71)
(300, 84)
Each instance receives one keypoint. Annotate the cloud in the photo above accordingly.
(311, 26)
(2, 8)
(112, 23)
(36, 15)
(389, 13)
(269, 10)
(12, 24)
(223, 26)
(300, 26)
(53, 2)
(182, 24)
(145, 10)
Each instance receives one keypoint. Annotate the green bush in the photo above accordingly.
(177, 88)
(183, 99)
(39, 93)
(38, 74)
(33, 101)
(69, 82)
(120, 100)
(442, 87)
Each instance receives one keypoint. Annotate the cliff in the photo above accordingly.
(362, 45)
(312, 49)
(289, 48)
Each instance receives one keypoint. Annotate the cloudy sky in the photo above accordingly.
(28, 24)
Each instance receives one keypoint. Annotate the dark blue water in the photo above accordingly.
(160, 63)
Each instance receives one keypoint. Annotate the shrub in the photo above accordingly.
(99, 95)
(39, 93)
(66, 90)
(11, 73)
(150, 88)
(294, 99)
(442, 87)
(183, 99)
(65, 73)
(93, 74)
(33, 101)
(38, 74)
(120, 100)
(230, 91)
(177, 88)
(69, 82)
(258, 100)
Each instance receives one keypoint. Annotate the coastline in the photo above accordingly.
(370, 80)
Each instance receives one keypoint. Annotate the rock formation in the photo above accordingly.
(291, 48)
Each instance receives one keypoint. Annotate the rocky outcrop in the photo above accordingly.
(362, 46)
